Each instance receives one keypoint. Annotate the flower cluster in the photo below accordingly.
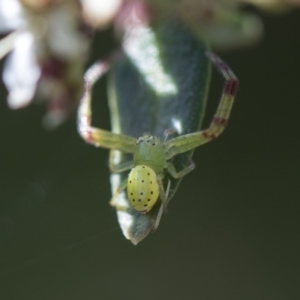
(50, 40)
(49, 48)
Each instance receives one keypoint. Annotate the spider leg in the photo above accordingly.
(158, 218)
(168, 132)
(92, 135)
(119, 167)
(190, 141)
(162, 193)
(171, 169)
(119, 190)
(161, 209)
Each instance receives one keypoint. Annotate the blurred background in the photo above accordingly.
(232, 230)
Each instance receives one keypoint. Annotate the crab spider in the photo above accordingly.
(151, 156)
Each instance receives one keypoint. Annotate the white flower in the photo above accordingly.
(47, 32)
(100, 13)
(21, 72)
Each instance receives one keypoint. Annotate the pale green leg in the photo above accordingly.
(158, 218)
(161, 209)
(96, 136)
(190, 141)
(119, 190)
(171, 169)
(162, 193)
(119, 167)
(169, 132)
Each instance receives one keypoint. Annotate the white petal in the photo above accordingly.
(64, 38)
(21, 72)
(11, 15)
(100, 13)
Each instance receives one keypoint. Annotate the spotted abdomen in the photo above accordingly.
(142, 188)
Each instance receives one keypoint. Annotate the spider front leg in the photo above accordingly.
(190, 141)
(96, 136)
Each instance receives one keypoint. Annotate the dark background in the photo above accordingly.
(232, 231)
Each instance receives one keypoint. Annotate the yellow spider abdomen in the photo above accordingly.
(142, 188)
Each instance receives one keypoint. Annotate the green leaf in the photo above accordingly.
(160, 82)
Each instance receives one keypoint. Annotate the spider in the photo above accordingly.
(151, 156)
